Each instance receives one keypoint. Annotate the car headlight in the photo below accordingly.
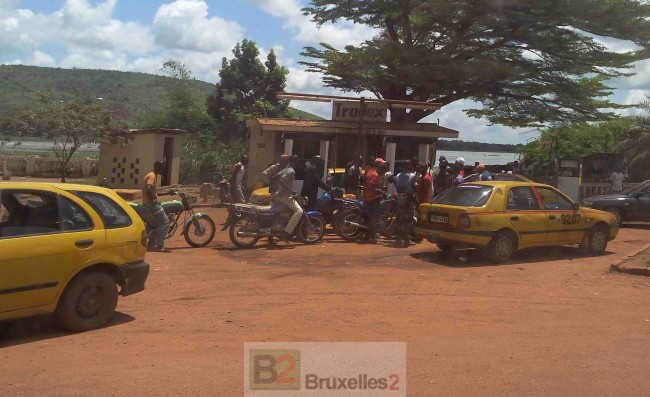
(587, 203)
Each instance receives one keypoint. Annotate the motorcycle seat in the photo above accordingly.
(253, 207)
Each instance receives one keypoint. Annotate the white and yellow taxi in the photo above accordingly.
(503, 217)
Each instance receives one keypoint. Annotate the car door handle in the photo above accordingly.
(84, 243)
(551, 217)
(514, 218)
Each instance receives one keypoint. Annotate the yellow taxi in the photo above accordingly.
(502, 217)
(64, 249)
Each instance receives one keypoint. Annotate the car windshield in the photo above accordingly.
(465, 196)
(637, 189)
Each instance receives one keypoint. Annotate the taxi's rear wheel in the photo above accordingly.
(598, 239)
(88, 302)
(502, 247)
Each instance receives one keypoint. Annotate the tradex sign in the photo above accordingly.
(349, 111)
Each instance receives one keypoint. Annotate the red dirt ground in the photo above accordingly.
(552, 323)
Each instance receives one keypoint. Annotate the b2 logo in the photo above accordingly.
(570, 219)
(274, 369)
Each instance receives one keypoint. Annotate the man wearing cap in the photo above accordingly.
(461, 166)
(312, 182)
(483, 174)
(372, 196)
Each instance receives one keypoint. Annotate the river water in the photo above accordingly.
(486, 158)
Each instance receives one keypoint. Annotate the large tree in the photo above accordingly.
(70, 125)
(247, 89)
(529, 63)
(636, 146)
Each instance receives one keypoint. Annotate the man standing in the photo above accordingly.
(406, 185)
(158, 221)
(353, 176)
(442, 179)
(372, 196)
(238, 175)
(312, 182)
(483, 174)
(617, 179)
(284, 195)
(424, 184)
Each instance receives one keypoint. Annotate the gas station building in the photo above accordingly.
(337, 140)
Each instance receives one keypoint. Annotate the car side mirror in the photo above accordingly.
(576, 206)
(638, 194)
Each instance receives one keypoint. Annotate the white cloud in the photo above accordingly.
(309, 33)
(184, 25)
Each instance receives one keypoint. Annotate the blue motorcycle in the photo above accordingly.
(353, 219)
(328, 205)
(249, 223)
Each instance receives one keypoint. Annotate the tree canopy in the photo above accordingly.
(530, 63)
(70, 125)
(247, 89)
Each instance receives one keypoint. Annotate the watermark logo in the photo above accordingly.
(274, 369)
(325, 369)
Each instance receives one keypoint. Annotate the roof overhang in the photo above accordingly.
(421, 130)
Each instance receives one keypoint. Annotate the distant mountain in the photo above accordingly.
(132, 94)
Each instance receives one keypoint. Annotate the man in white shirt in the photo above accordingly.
(617, 179)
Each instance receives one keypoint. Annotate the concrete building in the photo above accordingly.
(337, 141)
(124, 167)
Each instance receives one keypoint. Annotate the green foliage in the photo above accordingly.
(247, 89)
(70, 125)
(139, 98)
(574, 141)
(460, 145)
(636, 145)
(530, 63)
(204, 154)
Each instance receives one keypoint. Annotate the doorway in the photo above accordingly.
(168, 156)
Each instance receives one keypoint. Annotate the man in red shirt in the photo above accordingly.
(372, 196)
(424, 184)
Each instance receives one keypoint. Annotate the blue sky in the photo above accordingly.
(139, 35)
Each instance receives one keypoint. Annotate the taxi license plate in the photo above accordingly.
(438, 218)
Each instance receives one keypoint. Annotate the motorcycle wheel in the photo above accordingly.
(199, 231)
(312, 231)
(241, 242)
(350, 233)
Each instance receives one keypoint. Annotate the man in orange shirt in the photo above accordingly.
(372, 196)
(158, 221)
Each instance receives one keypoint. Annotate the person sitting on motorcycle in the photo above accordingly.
(406, 184)
(269, 173)
(284, 194)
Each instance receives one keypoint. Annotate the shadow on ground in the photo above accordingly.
(39, 328)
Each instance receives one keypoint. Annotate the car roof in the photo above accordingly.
(61, 186)
(505, 183)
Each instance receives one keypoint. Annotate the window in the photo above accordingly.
(111, 213)
(27, 212)
(553, 200)
(73, 217)
(522, 198)
(465, 196)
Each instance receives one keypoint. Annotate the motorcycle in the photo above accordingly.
(198, 228)
(223, 183)
(249, 223)
(353, 219)
(328, 205)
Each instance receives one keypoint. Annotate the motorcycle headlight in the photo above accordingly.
(587, 203)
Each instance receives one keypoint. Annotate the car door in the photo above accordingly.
(566, 225)
(526, 216)
(44, 238)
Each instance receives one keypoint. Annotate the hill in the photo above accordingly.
(132, 94)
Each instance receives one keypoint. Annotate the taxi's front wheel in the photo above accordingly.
(88, 302)
(502, 247)
(598, 239)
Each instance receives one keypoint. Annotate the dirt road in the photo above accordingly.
(553, 323)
